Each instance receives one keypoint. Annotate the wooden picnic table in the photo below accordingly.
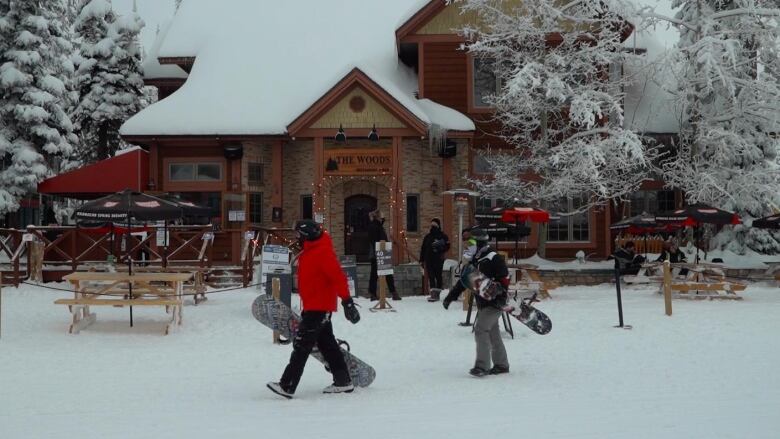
(529, 280)
(114, 289)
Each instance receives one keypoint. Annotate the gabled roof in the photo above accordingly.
(356, 78)
(421, 16)
(259, 65)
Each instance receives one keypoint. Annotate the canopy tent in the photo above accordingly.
(128, 170)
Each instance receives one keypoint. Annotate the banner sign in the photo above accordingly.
(358, 161)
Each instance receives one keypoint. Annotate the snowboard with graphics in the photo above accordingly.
(536, 320)
(279, 317)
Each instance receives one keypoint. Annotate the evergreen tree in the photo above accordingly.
(108, 78)
(728, 86)
(34, 73)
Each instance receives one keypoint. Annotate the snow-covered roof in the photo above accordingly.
(152, 67)
(260, 64)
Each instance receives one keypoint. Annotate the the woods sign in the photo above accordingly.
(373, 161)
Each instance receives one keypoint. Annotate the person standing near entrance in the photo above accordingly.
(320, 282)
(491, 298)
(376, 233)
(435, 245)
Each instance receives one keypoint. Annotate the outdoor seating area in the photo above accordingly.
(124, 290)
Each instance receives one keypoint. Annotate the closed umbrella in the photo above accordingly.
(124, 207)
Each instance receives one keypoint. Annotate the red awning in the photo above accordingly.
(125, 171)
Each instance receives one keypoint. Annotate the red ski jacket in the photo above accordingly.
(320, 278)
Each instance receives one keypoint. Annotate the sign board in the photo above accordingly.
(276, 255)
(349, 266)
(162, 235)
(319, 217)
(236, 216)
(28, 237)
(384, 259)
(358, 161)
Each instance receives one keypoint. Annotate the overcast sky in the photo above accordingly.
(153, 13)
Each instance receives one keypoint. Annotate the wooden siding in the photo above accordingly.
(445, 72)
(374, 113)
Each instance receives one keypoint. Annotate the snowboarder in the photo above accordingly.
(435, 245)
(490, 303)
(376, 233)
(320, 282)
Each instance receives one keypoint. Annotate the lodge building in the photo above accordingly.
(345, 114)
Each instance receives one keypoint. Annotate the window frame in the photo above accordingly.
(251, 212)
(589, 215)
(260, 167)
(194, 185)
(473, 106)
(418, 229)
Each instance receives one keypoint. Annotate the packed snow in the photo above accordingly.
(709, 371)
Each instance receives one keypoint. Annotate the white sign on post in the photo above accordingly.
(384, 259)
(275, 259)
(28, 237)
(162, 235)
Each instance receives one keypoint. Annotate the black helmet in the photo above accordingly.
(479, 234)
(309, 230)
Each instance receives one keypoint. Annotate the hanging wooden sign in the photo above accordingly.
(358, 161)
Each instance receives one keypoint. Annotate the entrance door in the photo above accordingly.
(356, 209)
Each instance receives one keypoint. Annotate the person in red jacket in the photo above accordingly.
(320, 283)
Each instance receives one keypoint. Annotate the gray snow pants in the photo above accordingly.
(488, 337)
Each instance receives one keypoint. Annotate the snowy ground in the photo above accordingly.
(710, 371)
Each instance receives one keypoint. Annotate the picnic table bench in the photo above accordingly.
(124, 289)
(525, 277)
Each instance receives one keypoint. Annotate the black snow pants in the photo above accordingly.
(315, 329)
(435, 265)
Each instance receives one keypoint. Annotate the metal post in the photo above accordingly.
(619, 300)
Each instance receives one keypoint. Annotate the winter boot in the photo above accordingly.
(279, 390)
(333, 388)
(497, 370)
(396, 296)
(478, 372)
(435, 294)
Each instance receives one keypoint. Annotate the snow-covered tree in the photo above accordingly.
(559, 99)
(108, 77)
(35, 68)
(727, 70)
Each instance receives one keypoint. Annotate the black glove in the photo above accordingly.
(350, 310)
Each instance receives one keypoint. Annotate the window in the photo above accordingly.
(651, 202)
(489, 203)
(486, 82)
(255, 174)
(256, 208)
(412, 213)
(568, 228)
(307, 207)
(481, 165)
(212, 200)
(195, 172)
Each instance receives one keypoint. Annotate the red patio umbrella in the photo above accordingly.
(522, 214)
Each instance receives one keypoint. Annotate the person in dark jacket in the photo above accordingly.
(376, 233)
(673, 254)
(491, 297)
(320, 283)
(434, 247)
(626, 259)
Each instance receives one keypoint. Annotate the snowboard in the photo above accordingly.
(279, 317)
(531, 317)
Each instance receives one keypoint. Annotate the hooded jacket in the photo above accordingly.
(320, 278)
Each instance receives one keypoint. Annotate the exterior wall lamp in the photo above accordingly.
(341, 136)
(373, 136)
